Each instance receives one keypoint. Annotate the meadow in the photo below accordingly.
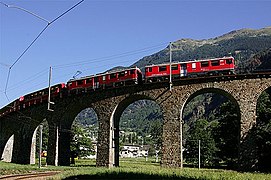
(135, 168)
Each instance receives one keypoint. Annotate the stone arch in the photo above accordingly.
(197, 92)
(84, 112)
(122, 105)
(7, 130)
(63, 127)
(219, 91)
(261, 131)
(35, 145)
(24, 141)
(6, 152)
(263, 89)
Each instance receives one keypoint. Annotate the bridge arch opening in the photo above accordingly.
(35, 149)
(6, 151)
(211, 121)
(83, 141)
(137, 123)
(262, 131)
(8, 127)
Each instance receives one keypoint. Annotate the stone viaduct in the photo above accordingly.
(242, 90)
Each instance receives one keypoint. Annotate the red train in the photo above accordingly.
(217, 66)
(106, 80)
(160, 72)
(33, 98)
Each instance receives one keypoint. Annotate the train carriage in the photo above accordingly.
(216, 66)
(33, 98)
(105, 80)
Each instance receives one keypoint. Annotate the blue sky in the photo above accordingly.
(98, 35)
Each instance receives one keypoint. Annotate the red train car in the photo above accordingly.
(41, 95)
(106, 80)
(33, 98)
(209, 67)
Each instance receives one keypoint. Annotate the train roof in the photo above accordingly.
(189, 61)
(104, 73)
(116, 71)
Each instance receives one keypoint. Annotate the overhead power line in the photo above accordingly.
(48, 24)
(106, 58)
(3, 64)
(25, 10)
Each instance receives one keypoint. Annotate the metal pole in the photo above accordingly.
(170, 61)
(40, 150)
(49, 92)
(199, 154)
(181, 141)
(57, 139)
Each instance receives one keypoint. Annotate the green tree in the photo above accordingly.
(156, 134)
(226, 134)
(263, 131)
(200, 130)
(80, 142)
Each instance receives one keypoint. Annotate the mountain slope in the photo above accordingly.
(241, 44)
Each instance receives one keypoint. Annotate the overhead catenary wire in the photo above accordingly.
(68, 76)
(29, 79)
(5, 65)
(48, 24)
(106, 58)
(9, 70)
(20, 8)
(56, 78)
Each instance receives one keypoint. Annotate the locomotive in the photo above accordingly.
(205, 67)
(131, 76)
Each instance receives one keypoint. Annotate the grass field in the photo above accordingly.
(136, 168)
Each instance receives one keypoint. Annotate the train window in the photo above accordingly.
(132, 71)
(204, 64)
(104, 78)
(112, 76)
(122, 74)
(80, 82)
(228, 61)
(174, 67)
(88, 80)
(215, 63)
(193, 65)
(150, 69)
(96, 79)
(162, 68)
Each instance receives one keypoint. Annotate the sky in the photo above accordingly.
(98, 35)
